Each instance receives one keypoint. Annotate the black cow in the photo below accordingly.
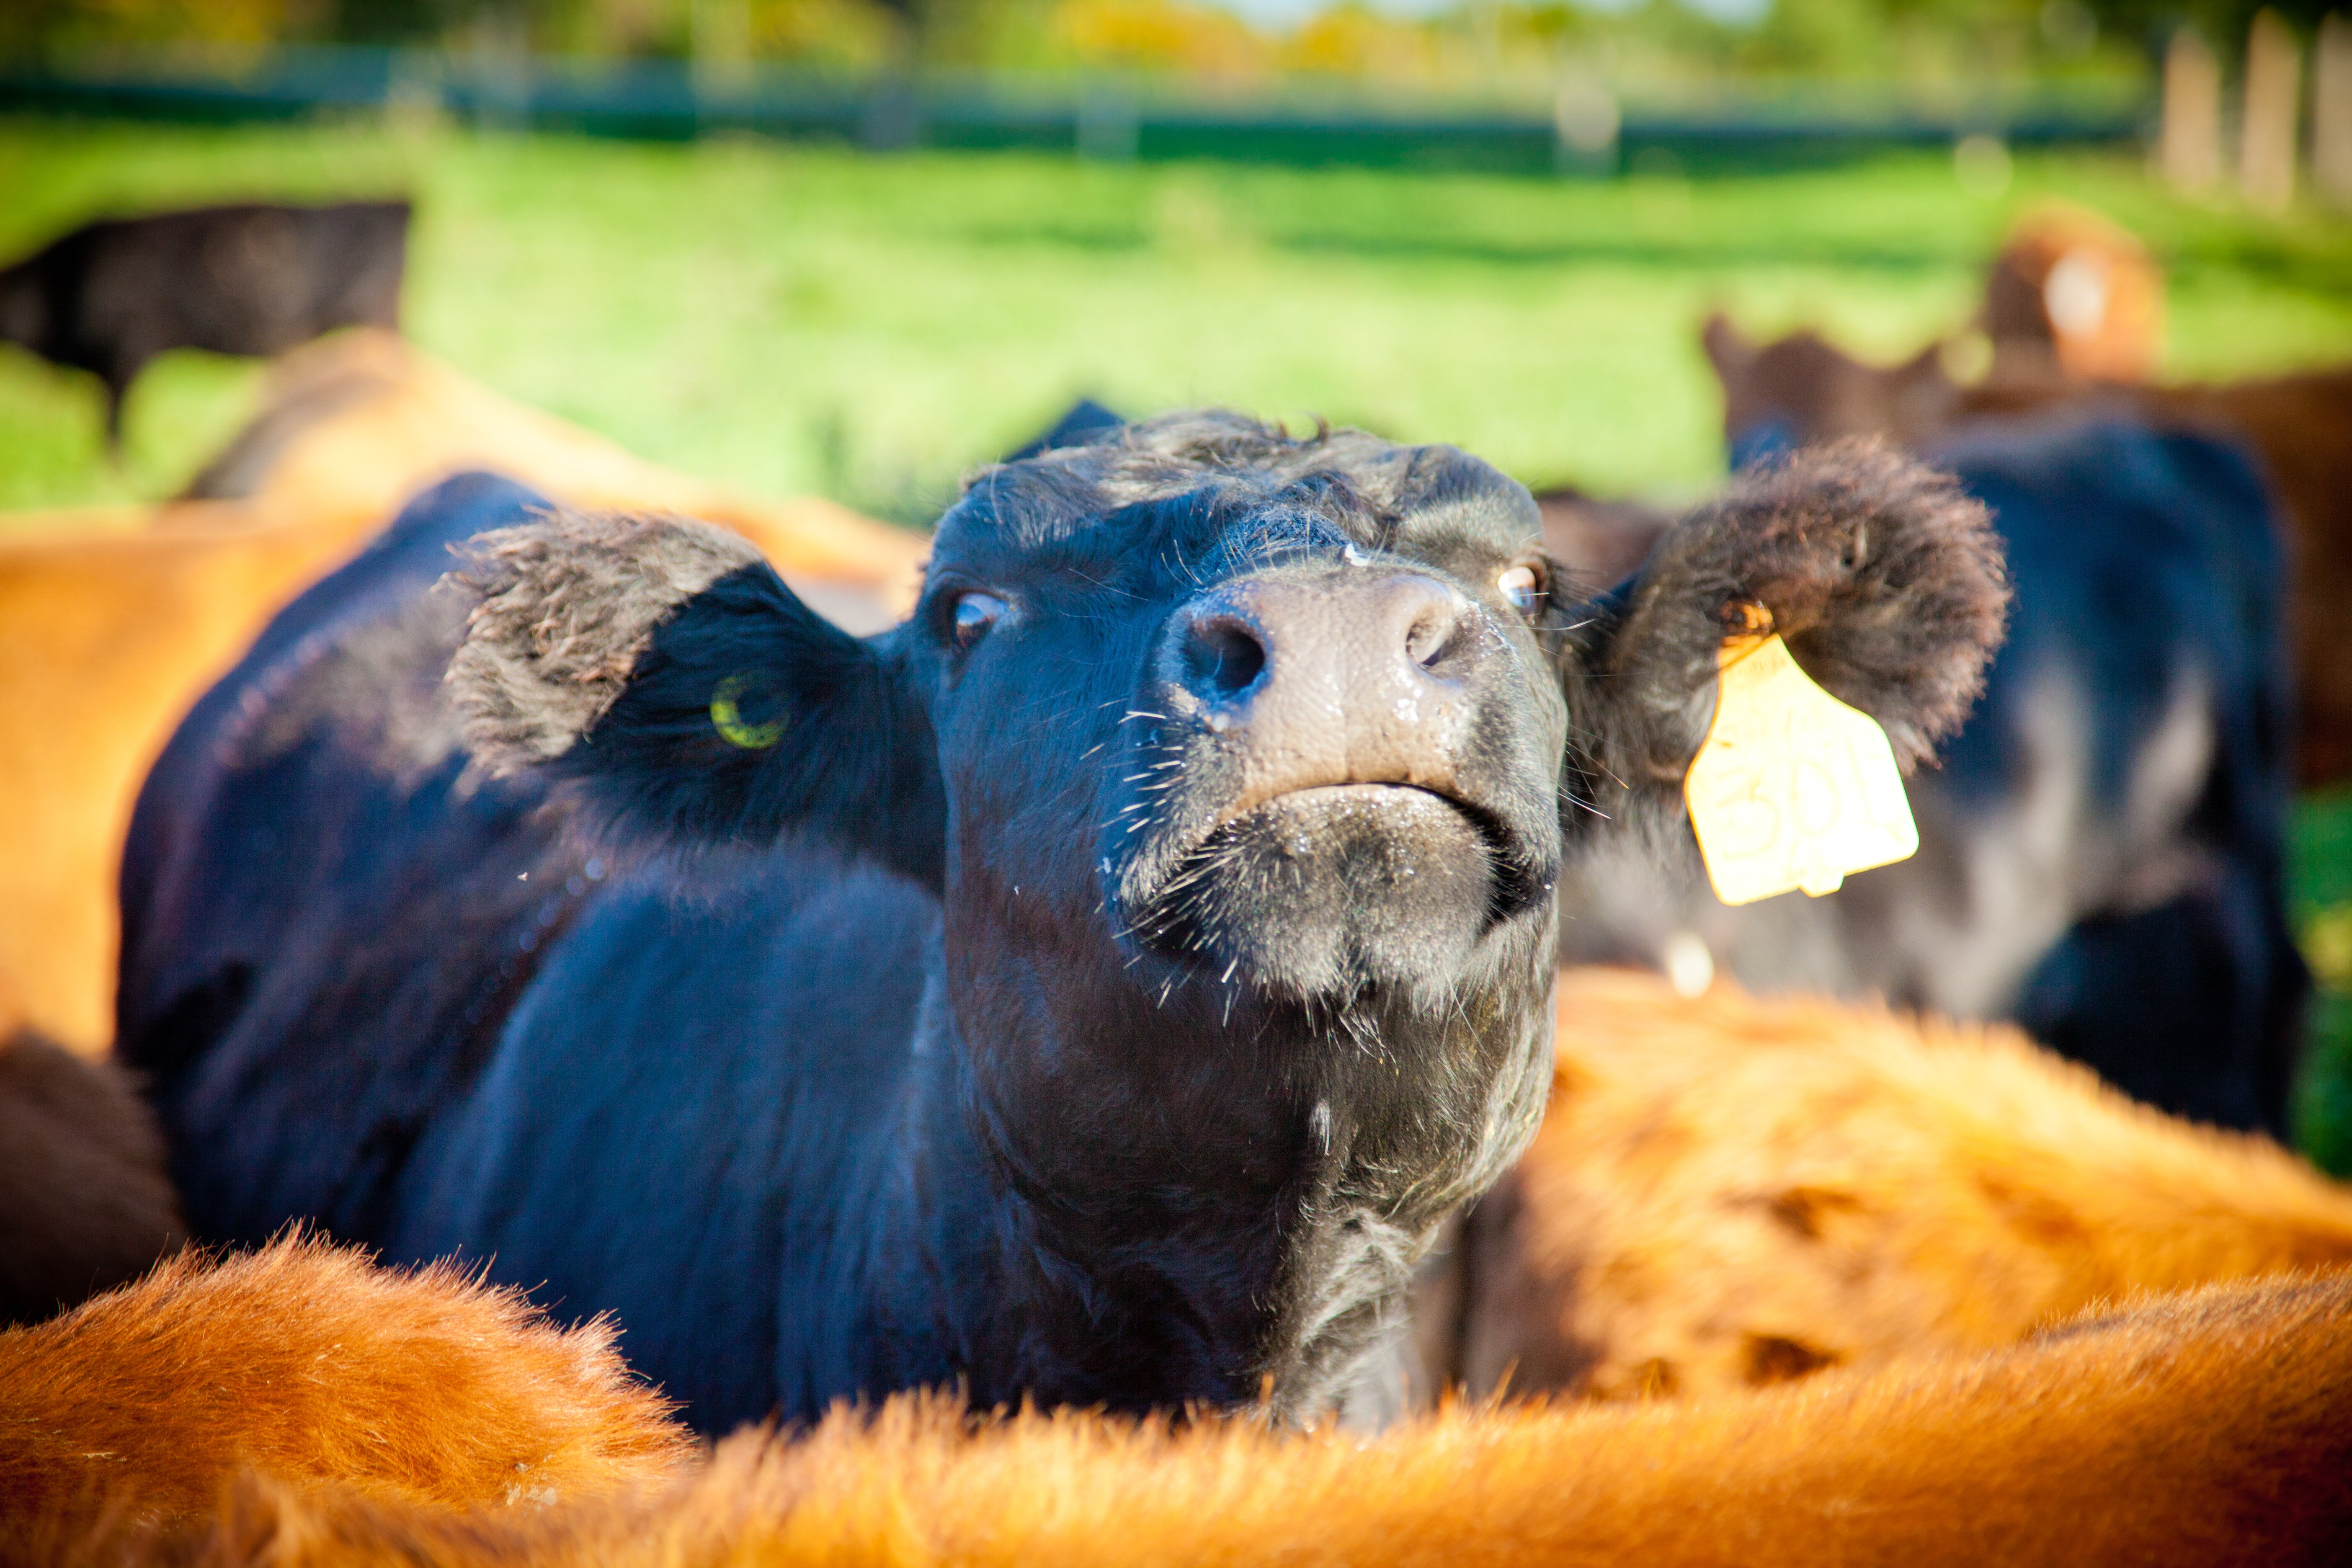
(2102, 851)
(1096, 988)
(253, 279)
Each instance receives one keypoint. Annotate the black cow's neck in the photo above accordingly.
(1235, 1255)
(1194, 1297)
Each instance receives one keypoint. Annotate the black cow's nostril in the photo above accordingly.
(1431, 634)
(1222, 658)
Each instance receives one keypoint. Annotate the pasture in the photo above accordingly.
(794, 318)
(798, 319)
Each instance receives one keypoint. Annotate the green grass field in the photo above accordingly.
(800, 318)
(796, 318)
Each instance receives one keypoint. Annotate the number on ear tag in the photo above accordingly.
(1791, 788)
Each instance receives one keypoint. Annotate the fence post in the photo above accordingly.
(1585, 123)
(2189, 148)
(499, 68)
(2331, 111)
(2271, 114)
(721, 38)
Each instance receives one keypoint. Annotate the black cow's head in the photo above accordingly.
(1245, 766)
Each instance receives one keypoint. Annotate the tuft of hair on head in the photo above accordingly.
(564, 608)
(1885, 577)
(1241, 465)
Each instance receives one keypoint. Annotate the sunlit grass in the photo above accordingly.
(796, 317)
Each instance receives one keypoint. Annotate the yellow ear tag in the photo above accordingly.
(1791, 788)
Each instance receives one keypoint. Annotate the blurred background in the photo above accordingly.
(1488, 222)
(850, 248)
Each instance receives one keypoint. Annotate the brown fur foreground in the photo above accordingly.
(1730, 1190)
(306, 1364)
(384, 1416)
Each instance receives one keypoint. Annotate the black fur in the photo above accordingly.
(1882, 575)
(2101, 847)
(995, 1030)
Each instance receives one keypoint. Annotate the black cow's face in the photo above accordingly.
(1240, 764)
(1251, 797)
(1271, 740)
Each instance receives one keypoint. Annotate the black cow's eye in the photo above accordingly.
(974, 613)
(1523, 585)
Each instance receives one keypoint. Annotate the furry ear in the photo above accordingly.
(1883, 576)
(662, 673)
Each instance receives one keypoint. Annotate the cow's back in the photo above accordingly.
(297, 813)
(249, 278)
(2150, 584)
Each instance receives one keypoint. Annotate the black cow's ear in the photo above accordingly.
(663, 673)
(1883, 576)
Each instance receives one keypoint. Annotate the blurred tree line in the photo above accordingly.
(1475, 43)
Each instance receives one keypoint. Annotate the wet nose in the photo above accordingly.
(1354, 676)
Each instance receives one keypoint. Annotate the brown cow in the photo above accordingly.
(2072, 296)
(295, 1408)
(363, 421)
(1730, 1190)
(113, 622)
(105, 641)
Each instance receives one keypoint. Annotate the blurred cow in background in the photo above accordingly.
(252, 278)
(2073, 297)
(1802, 389)
(2101, 854)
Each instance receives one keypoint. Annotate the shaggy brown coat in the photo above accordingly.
(303, 1363)
(370, 1418)
(1730, 1190)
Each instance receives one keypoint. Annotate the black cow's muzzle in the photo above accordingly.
(1318, 803)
